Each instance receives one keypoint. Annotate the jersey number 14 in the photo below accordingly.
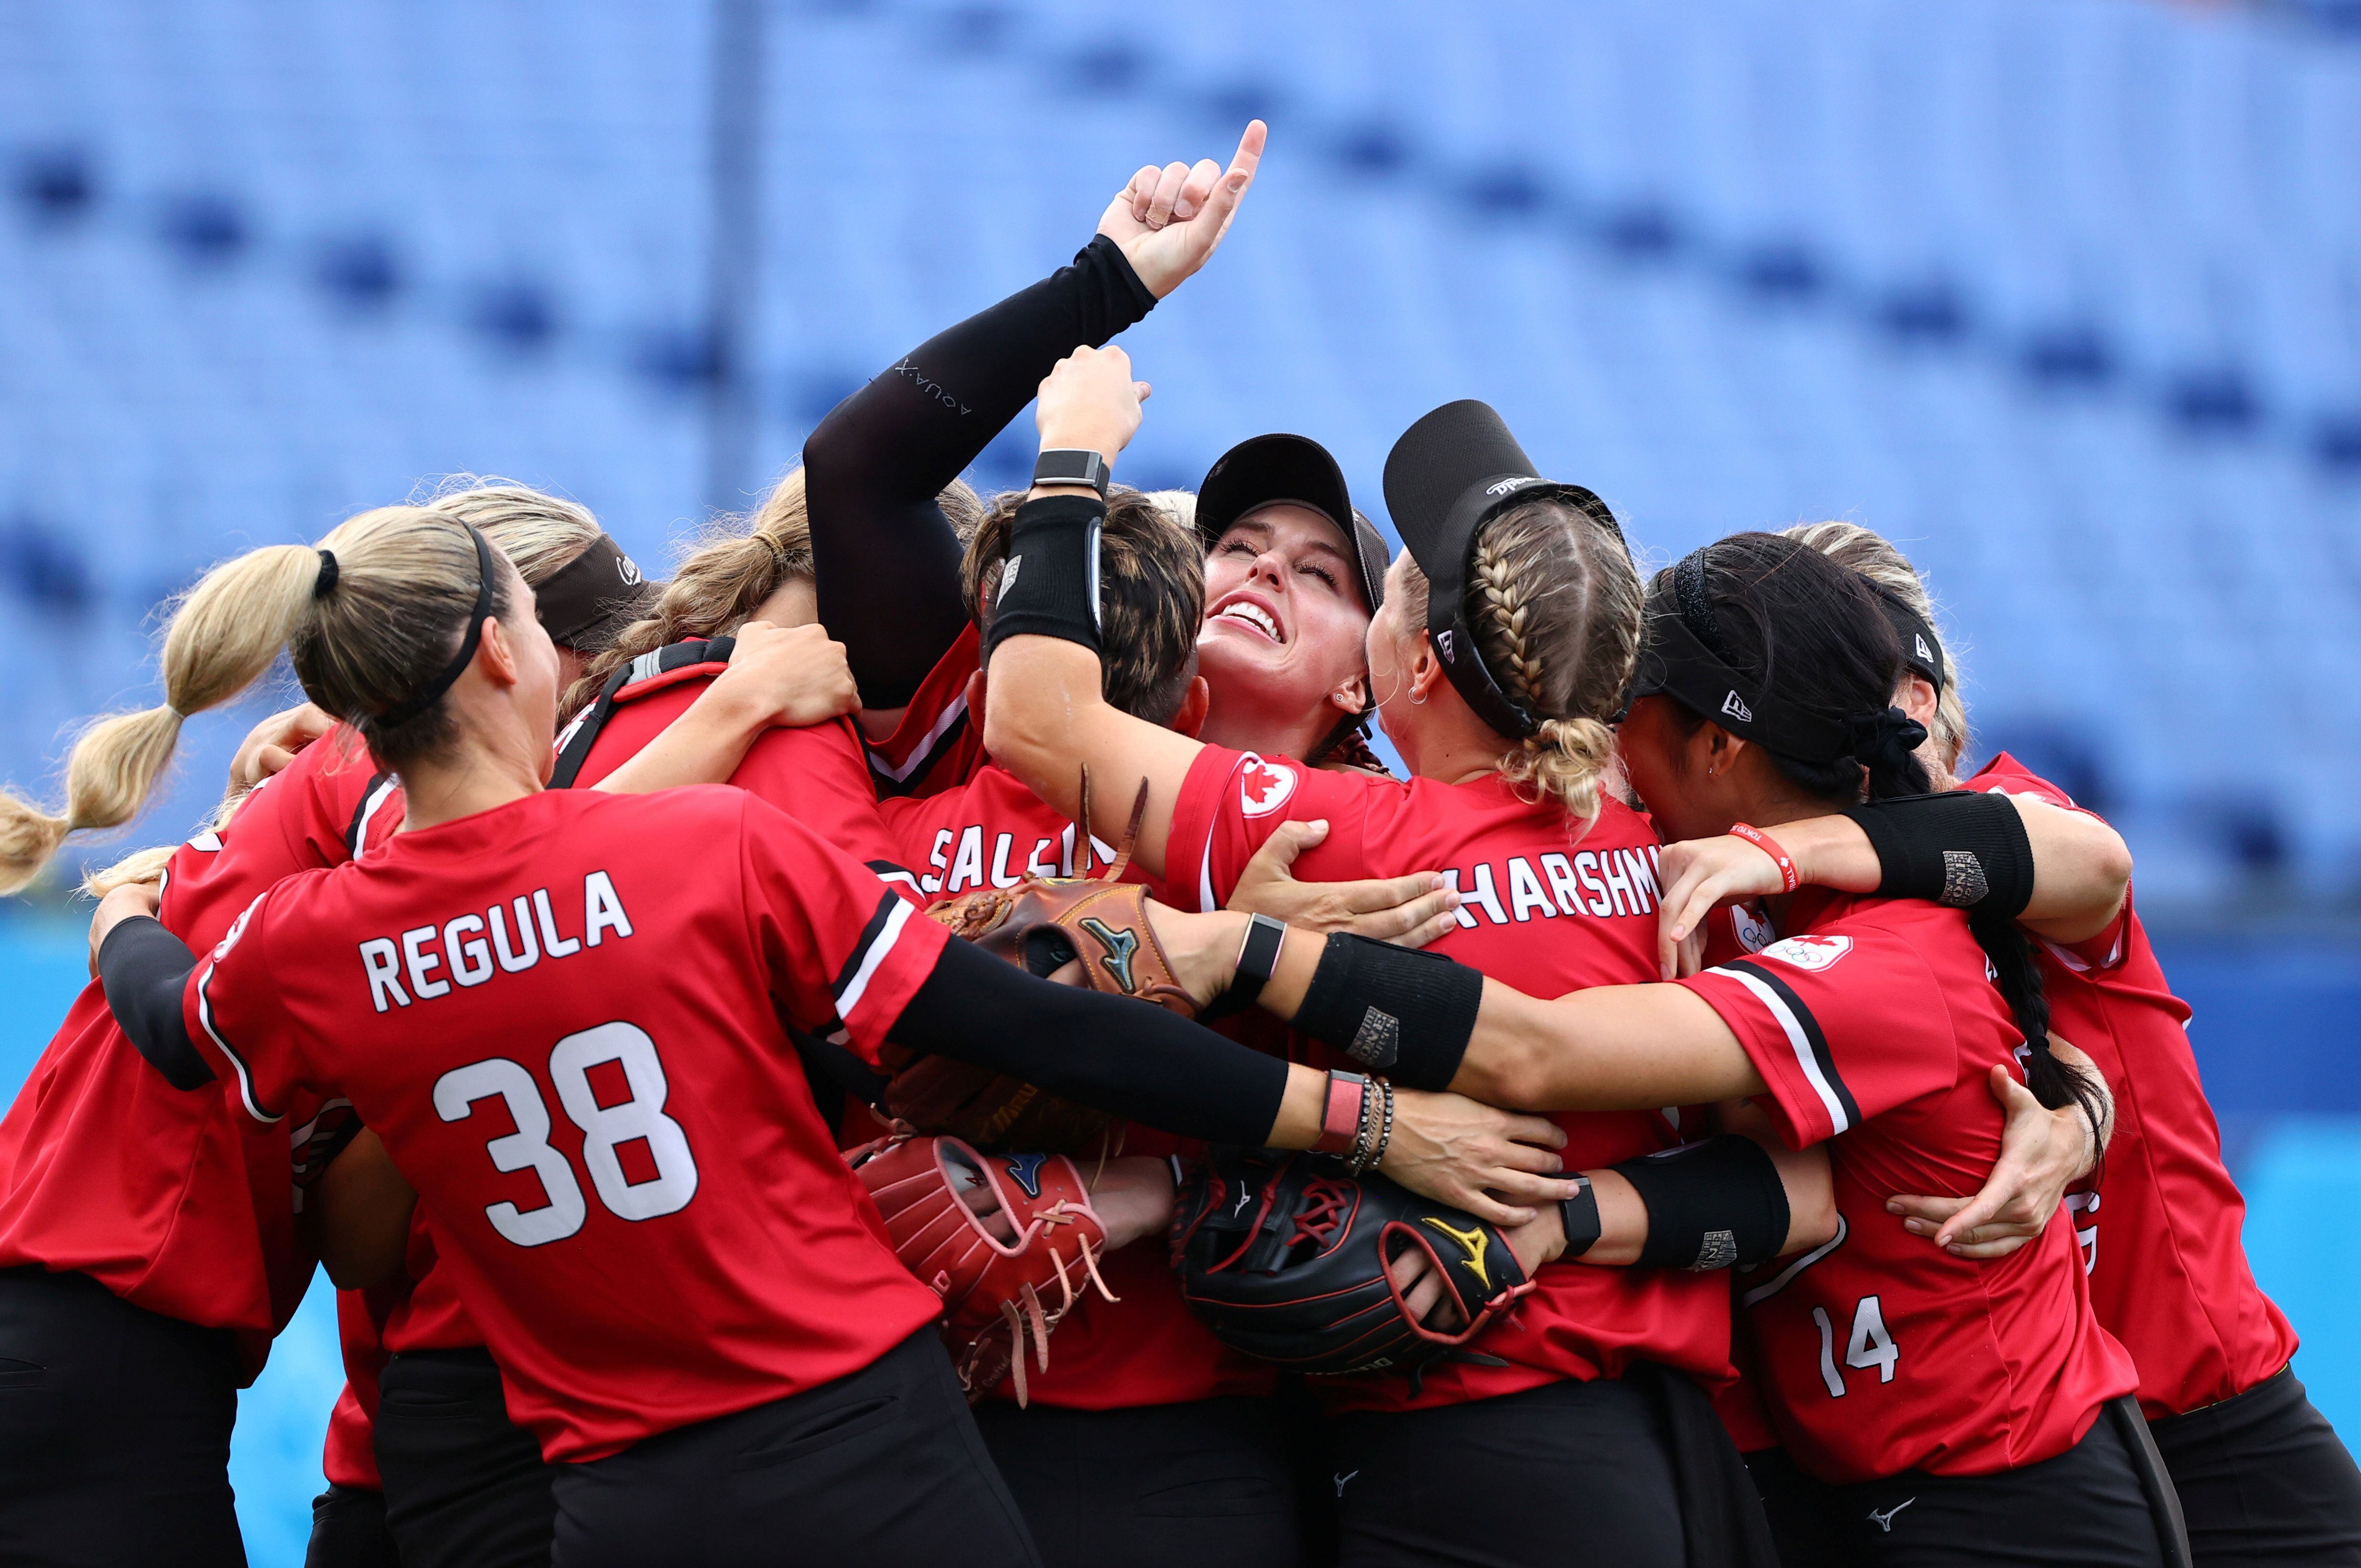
(1869, 1345)
(604, 1128)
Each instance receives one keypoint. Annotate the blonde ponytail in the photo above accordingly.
(1566, 760)
(224, 636)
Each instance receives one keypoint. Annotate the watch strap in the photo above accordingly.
(1072, 465)
(1579, 1213)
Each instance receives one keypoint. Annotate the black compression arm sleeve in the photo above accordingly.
(1142, 1063)
(1967, 849)
(885, 558)
(146, 969)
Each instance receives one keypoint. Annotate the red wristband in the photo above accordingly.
(1770, 846)
(1340, 1115)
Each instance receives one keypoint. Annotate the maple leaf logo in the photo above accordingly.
(1263, 788)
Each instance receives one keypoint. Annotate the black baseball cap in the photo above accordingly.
(1449, 472)
(1267, 469)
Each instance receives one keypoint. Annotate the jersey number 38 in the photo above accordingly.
(604, 1128)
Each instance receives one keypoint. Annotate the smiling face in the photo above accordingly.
(1283, 632)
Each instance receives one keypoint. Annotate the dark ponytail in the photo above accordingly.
(1809, 659)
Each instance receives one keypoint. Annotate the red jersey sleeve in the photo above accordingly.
(841, 947)
(937, 745)
(1843, 1025)
(821, 776)
(231, 1011)
(1231, 802)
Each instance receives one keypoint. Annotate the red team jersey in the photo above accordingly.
(1875, 1025)
(1545, 912)
(2169, 1277)
(161, 1194)
(568, 1031)
(1145, 1348)
(938, 744)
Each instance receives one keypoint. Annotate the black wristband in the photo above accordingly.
(1709, 1204)
(1406, 1013)
(1968, 849)
(1257, 957)
(1579, 1214)
(1050, 585)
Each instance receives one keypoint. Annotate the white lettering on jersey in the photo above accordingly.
(523, 958)
(1809, 952)
(471, 961)
(1560, 871)
(423, 963)
(967, 865)
(466, 957)
(935, 858)
(1525, 894)
(602, 909)
(1485, 896)
(382, 965)
(1586, 870)
(1001, 875)
(556, 946)
(1035, 865)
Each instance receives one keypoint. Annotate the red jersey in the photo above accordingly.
(938, 744)
(1145, 1348)
(557, 1015)
(1546, 912)
(2170, 1281)
(159, 1193)
(1875, 1025)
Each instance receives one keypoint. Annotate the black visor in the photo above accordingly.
(1270, 469)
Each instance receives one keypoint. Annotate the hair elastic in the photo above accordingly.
(433, 691)
(326, 580)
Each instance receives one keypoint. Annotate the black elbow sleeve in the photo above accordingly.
(1140, 1062)
(1050, 586)
(145, 968)
(1710, 1204)
(1968, 849)
(1398, 1011)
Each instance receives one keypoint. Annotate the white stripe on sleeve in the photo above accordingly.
(1798, 1040)
(882, 944)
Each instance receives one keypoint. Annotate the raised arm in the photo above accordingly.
(886, 555)
(1046, 719)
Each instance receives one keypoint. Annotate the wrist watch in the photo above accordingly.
(1072, 465)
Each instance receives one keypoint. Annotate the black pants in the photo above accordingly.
(882, 1468)
(2263, 1479)
(114, 1430)
(1160, 1487)
(348, 1531)
(2085, 1508)
(1566, 1473)
(464, 1486)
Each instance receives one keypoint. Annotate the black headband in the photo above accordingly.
(433, 693)
(1922, 650)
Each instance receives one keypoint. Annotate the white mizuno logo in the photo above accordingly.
(1885, 1521)
(1734, 706)
(1342, 1479)
(1924, 651)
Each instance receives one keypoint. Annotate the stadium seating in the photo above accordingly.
(2065, 294)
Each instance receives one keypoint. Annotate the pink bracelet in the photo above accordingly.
(1770, 846)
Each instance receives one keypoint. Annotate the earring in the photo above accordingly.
(1416, 700)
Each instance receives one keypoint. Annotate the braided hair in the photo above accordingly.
(1555, 605)
(1812, 633)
